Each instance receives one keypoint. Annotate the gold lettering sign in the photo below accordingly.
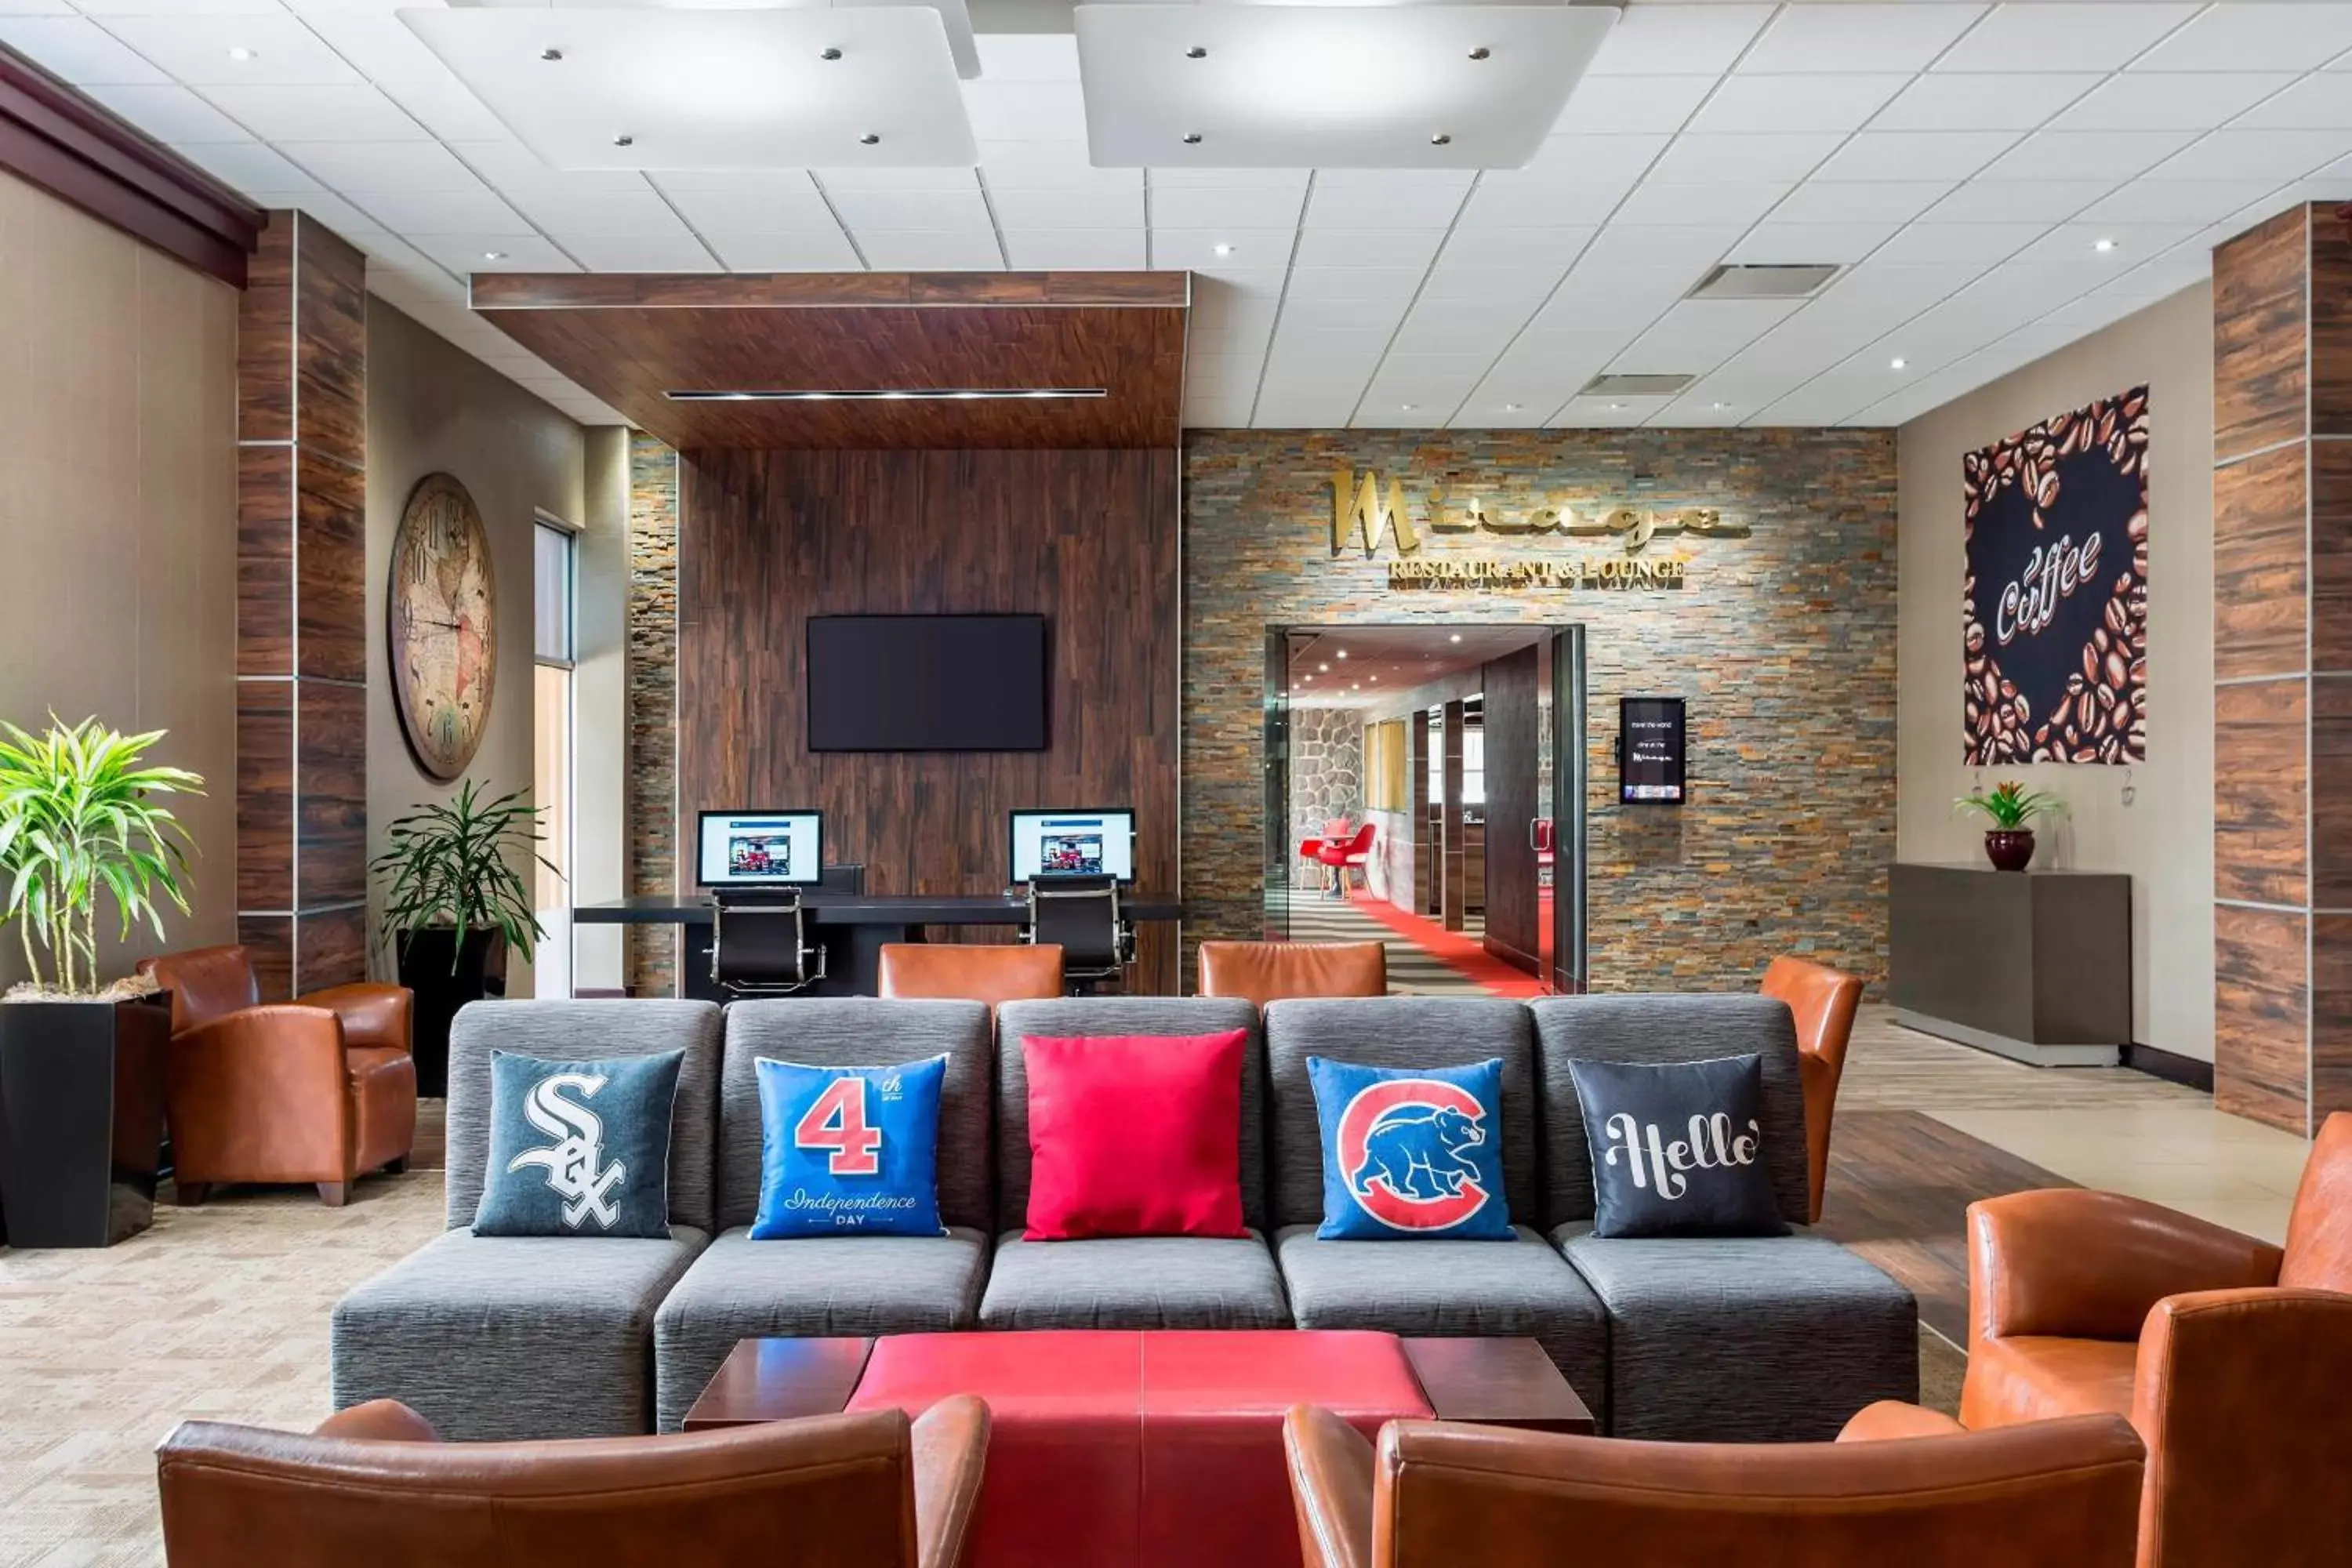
(1362, 509)
(1360, 513)
(1604, 572)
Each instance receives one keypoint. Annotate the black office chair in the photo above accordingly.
(759, 944)
(1081, 915)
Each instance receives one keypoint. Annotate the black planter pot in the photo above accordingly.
(82, 1119)
(443, 980)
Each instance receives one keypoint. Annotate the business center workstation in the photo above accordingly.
(770, 912)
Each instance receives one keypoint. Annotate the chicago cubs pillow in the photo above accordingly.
(579, 1148)
(849, 1150)
(1411, 1152)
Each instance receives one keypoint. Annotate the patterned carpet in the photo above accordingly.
(1413, 971)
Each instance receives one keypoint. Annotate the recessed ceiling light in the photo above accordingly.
(239, 53)
(1355, 688)
(1507, 408)
(1441, 140)
(1191, 138)
(1897, 363)
(1341, 652)
(1618, 406)
(1721, 407)
(869, 140)
(551, 54)
(494, 256)
(1406, 407)
(1455, 637)
(1480, 53)
(828, 54)
(1373, 678)
(1196, 53)
(2103, 245)
(624, 140)
(1324, 668)
(1222, 249)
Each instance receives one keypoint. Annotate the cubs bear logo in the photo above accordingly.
(1400, 1144)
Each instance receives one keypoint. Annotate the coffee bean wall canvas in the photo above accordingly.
(2055, 593)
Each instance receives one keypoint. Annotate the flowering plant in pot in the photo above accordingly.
(82, 822)
(453, 905)
(2008, 807)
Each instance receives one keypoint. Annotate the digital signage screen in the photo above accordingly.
(1650, 756)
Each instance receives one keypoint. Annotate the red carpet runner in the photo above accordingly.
(1462, 953)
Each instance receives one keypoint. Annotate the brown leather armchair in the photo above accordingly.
(1263, 971)
(971, 972)
(320, 1090)
(2058, 1494)
(1824, 1000)
(2230, 1356)
(373, 1488)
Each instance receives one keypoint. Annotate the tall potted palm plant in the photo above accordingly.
(82, 822)
(452, 906)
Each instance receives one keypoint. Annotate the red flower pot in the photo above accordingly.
(2010, 849)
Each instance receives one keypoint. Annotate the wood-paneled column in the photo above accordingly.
(301, 787)
(2283, 669)
(1453, 892)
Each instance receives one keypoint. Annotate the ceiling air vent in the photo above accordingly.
(1769, 282)
(1636, 385)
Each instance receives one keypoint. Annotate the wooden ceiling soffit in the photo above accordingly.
(746, 350)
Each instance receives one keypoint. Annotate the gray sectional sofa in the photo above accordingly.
(1776, 1339)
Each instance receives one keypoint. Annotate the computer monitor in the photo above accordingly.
(1074, 843)
(758, 849)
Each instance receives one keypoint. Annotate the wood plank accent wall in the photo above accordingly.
(2283, 653)
(302, 609)
(1088, 539)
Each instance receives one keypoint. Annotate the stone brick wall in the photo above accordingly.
(651, 963)
(1783, 642)
(1327, 769)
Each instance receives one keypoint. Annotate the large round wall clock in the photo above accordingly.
(442, 609)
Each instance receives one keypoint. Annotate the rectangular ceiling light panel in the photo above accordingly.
(1226, 86)
(589, 88)
(955, 14)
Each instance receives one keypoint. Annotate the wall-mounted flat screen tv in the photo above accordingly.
(1650, 751)
(927, 683)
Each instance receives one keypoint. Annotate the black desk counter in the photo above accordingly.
(852, 927)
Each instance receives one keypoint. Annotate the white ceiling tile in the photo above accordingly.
(351, 112)
(1781, 103)
(381, 46)
(1075, 249)
(78, 50)
(1455, 279)
(1915, 154)
(447, 109)
(35, 8)
(362, 167)
(2242, 36)
(248, 166)
(2165, 101)
(678, 252)
(1669, 40)
(2010, 100)
(2076, 243)
(1583, 159)
(1696, 335)
(800, 250)
(196, 49)
(1615, 104)
(1717, 202)
(1230, 179)
(511, 166)
(514, 252)
(169, 114)
(881, 177)
(1760, 156)
(2075, 36)
(1407, 206)
(1605, 413)
(1025, 111)
(326, 208)
(1860, 200)
(1666, 246)
(443, 212)
(641, 211)
(1499, 246)
(1795, 244)
(1050, 166)
(1308, 282)
(1028, 57)
(919, 250)
(2257, 154)
(1303, 411)
(1097, 210)
(1236, 207)
(2178, 201)
(1926, 244)
(862, 210)
(1858, 38)
(2086, 154)
(1500, 204)
(2036, 201)
(2315, 103)
(749, 203)
(1250, 249)
(1595, 297)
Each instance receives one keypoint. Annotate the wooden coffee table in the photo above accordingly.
(1493, 1382)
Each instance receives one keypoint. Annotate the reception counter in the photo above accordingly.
(853, 927)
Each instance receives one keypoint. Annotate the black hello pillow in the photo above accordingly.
(1677, 1148)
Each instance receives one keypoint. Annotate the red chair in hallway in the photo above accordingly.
(1355, 855)
(1310, 851)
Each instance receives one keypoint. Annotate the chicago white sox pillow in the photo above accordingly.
(579, 1148)
(1677, 1148)
(1411, 1152)
(849, 1150)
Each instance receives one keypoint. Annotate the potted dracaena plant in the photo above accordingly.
(454, 905)
(2010, 806)
(83, 823)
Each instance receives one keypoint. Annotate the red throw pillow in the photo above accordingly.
(1135, 1135)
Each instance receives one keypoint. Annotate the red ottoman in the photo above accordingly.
(1115, 1447)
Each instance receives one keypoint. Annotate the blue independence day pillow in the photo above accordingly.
(1411, 1152)
(849, 1150)
(579, 1148)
